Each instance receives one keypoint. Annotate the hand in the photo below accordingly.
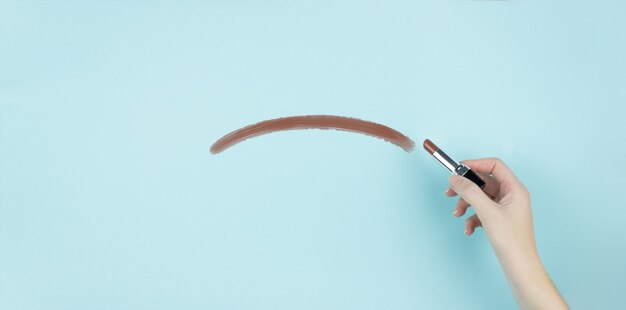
(503, 211)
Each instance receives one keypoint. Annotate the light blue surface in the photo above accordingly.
(110, 198)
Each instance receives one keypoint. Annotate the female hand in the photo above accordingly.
(503, 210)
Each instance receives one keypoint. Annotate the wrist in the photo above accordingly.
(529, 281)
(521, 264)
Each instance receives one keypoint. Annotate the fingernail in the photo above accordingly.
(445, 193)
(465, 232)
(454, 213)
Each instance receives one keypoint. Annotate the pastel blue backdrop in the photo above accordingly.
(110, 198)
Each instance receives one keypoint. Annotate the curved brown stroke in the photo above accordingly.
(314, 121)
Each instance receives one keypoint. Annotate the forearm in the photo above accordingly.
(530, 283)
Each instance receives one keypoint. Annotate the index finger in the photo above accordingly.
(494, 166)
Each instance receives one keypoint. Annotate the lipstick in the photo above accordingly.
(451, 165)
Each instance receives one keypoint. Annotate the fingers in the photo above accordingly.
(461, 208)
(495, 173)
(449, 192)
(491, 186)
(471, 223)
(471, 193)
(493, 166)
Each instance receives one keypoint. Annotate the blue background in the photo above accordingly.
(110, 198)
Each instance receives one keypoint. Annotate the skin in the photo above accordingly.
(502, 209)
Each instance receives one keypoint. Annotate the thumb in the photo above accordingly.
(470, 192)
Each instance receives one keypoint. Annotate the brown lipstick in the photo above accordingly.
(451, 165)
(314, 121)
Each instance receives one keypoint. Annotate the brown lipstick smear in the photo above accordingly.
(314, 122)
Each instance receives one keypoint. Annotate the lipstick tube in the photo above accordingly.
(451, 165)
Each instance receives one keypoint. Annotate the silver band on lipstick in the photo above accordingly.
(446, 161)
(461, 169)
